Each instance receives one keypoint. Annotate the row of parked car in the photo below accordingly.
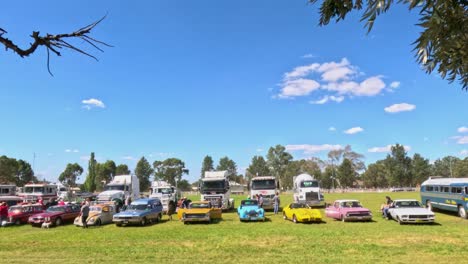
(150, 210)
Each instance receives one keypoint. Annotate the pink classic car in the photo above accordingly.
(348, 210)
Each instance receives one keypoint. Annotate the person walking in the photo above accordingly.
(276, 202)
(85, 213)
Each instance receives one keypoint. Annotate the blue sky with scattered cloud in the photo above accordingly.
(187, 79)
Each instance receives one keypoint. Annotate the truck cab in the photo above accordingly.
(119, 189)
(307, 190)
(168, 194)
(267, 186)
(215, 188)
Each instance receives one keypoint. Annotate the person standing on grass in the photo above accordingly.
(3, 212)
(85, 213)
(260, 200)
(276, 202)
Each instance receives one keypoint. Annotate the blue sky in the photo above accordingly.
(193, 78)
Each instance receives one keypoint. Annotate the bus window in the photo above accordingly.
(436, 188)
(466, 190)
(429, 188)
(456, 190)
(445, 189)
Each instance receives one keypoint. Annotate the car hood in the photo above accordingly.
(307, 212)
(412, 211)
(354, 209)
(250, 208)
(132, 213)
(197, 211)
(48, 214)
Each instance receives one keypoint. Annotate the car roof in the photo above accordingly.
(145, 200)
(204, 202)
(340, 201)
(406, 200)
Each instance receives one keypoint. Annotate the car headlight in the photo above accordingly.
(207, 214)
(91, 220)
(47, 219)
(183, 215)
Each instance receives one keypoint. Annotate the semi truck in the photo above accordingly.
(214, 187)
(267, 186)
(307, 190)
(34, 192)
(119, 189)
(167, 194)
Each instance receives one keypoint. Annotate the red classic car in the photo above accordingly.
(348, 210)
(19, 214)
(56, 215)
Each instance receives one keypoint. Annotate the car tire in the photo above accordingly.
(399, 220)
(294, 219)
(462, 213)
(143, 221)
(185, 222)
(285, 217)
(17, 222)
(118, 225)
(98, 222)
(158, 219)
(429, 206)
(58, 221)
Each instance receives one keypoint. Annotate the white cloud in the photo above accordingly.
(327, 98)
(462, 129)
(339, 79)
(310, 149)
(92, 102)
(128, 158)
(461, 140)
(332, 129)
(387, 148)
(299, 87)
(464, 152)
(308, 56)
(395, 85)
(396, 108)
(353, 130)
(259, 150)
(301, 71)
(72, 150)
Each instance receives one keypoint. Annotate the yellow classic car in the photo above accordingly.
(201, 211)
(299, 212)
(99, 214)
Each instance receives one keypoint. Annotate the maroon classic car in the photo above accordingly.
(56, 215)
(348, 210)
(19, 214)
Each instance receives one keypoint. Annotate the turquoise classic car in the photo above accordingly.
(250, 211)
(141, 211)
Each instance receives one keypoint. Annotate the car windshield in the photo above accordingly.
(17, 208)
(407, 204)
(165, 190)
(96, 209)
(298, 205)
(213, 185)
(263, 185)
(138, 207)
(56, 209)
(249, 202)
(199, 205)
(115, 188)
(308, 184)
(351, 204)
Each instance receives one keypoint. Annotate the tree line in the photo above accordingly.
(343, 168)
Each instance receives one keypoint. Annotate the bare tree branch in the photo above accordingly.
(55, 42)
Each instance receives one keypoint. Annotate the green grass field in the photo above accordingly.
(230, 241)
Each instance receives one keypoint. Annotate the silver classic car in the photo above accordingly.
(410, 211)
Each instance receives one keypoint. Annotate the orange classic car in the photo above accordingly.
(201, 211)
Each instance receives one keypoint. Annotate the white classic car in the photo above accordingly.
(410, 211)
